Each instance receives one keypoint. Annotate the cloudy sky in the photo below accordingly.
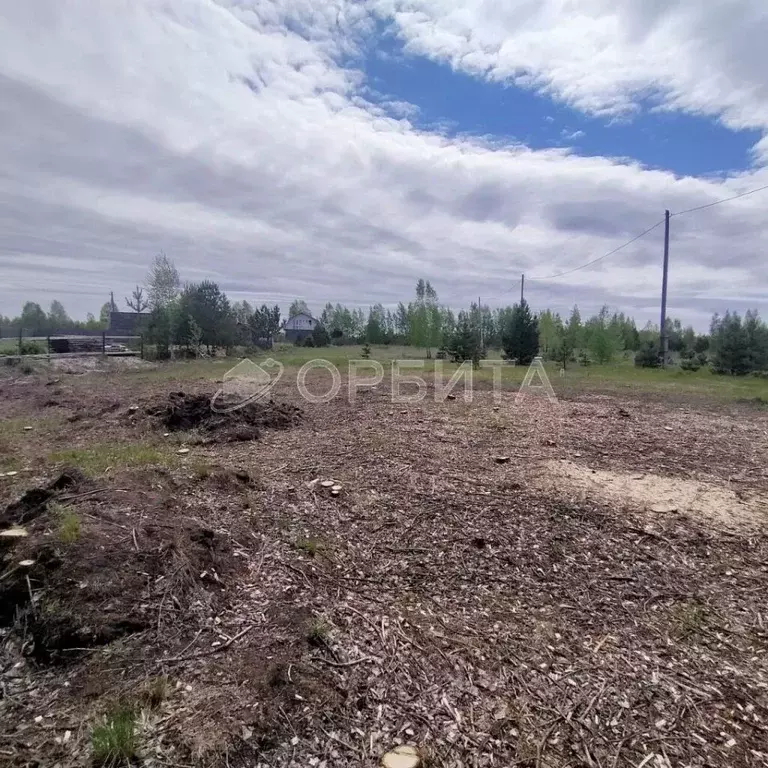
(340, 150)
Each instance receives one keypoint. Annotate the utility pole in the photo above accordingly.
(480, 320)
(663, 340)
(522, 290)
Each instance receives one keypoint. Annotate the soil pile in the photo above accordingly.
(72, 593)
(184, 412)
(35, 501)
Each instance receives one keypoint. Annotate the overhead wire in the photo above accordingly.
(645, 232)
(599, 258)
(718, 202)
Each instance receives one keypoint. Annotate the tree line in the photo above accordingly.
(198, 317)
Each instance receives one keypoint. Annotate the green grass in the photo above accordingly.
(67, 523)
(625, 376)
(28, 347)
(621, 376)
(115, 741)
(96, 459)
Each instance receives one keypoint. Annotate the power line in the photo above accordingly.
(600, 258)
(650, 229)
(717, 202)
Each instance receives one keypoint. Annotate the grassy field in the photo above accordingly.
(621, 376)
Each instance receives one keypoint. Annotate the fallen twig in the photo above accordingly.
(344, 663)
(211, 652)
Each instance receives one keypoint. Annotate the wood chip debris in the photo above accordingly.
(15, 532)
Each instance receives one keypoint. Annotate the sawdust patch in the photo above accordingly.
(657, 495)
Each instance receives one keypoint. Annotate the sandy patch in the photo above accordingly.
(657, 495)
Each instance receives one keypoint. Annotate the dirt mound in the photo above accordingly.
(184, 412)
(35, 500)
(76, 588)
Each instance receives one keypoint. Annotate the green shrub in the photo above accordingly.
(31, 348)
(691, 361)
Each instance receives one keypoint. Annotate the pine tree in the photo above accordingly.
(757, 341)
(730, 342)
(320, 336)
(464, 342)
(520, 336)
(213, 320)
(138, 302)
(375, 328)
(649, 355)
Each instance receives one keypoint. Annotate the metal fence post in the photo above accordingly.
(103, 342)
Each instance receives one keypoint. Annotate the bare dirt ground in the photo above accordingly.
(496, 584)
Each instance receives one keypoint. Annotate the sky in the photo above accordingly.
(340, 151)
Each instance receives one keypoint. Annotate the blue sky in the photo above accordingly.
(456, 103)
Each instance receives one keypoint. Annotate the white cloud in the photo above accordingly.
(603, 56)
(571, 135)
(232, 137)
